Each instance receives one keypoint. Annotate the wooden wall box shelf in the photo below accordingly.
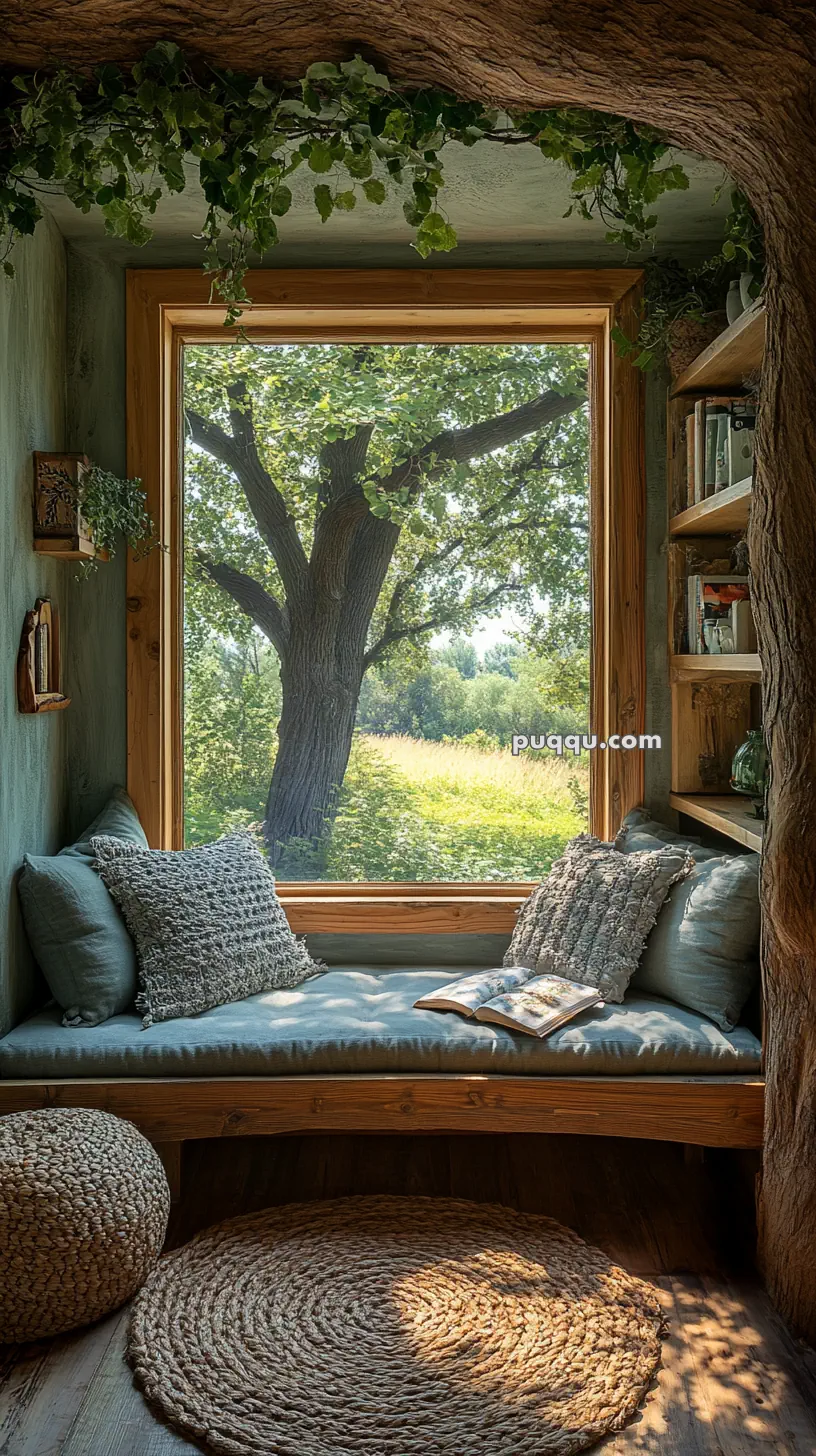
(70, 548)
(725, 364)
(722, 514)
(38, 684)
(729, 667)
(59, 527)
(728, 814)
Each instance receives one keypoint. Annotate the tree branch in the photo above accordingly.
(252, 598)
(343, 461)
(480, 439)
(239, 453)
(436, 558)
(444, 618)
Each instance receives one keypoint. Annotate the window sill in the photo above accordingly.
(383, 909)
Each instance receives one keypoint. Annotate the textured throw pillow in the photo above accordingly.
(207, 924)
(78, 937)
(589, 919)
(703, 952)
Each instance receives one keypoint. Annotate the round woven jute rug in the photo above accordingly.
(394, 1327)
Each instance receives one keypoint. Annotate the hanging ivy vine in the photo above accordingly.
(119, 139)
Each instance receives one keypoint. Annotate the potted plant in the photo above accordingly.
(82, 512)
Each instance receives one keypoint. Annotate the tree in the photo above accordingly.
(501, 657)
(351, 500)
(461, 654)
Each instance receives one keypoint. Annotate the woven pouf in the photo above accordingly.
(393, 1327)
(84, 1204)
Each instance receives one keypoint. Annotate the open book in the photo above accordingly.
(514, 996)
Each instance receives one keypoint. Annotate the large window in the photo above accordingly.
(386, 590)
(404, 524)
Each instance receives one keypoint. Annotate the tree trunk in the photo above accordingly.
(783, 553)
(314, 741)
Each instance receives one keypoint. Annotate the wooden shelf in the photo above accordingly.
(69, 548)
(729, 814)
(728, 667)
(721, 515)
(735, 353)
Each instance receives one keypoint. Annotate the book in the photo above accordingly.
(716, 429)
(514, 996)
(690, 437)
(713, 623)
(699, 449)
(41, 658)
(720, 444)
(742, 422)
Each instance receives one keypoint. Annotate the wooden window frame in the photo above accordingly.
(168, 308)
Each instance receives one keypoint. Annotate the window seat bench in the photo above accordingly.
(346, 1050)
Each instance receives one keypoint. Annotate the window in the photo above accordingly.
(385, 489)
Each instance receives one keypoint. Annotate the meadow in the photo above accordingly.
(414, 809)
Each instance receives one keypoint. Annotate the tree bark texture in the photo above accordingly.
(734, 80)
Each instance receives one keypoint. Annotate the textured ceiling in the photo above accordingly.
(507, 205)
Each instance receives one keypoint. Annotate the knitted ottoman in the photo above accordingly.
(84, 1204)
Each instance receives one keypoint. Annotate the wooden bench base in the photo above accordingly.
(716, 1112)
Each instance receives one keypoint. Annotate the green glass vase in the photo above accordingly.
(749, 771)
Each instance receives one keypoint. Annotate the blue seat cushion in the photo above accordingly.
(361, 1019)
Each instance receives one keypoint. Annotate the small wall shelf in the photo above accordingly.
(727, 813)
(70, 548)
(39, 661)
(59, 526)
(735, 353)
(720, 515)
(708, 666)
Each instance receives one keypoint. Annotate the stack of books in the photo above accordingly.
(719, 445)
(720, 619)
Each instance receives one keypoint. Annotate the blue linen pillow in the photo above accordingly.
(78, 937)
(703, 951)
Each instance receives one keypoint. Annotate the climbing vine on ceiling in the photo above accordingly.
(119, 139)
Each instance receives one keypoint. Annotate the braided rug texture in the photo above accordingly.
(84, 1204)
(394, 1327)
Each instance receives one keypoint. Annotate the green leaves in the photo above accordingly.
(324, 202)
(320, 158)
(116, 509)
(119, 139)
(434, 235)
(374, 191)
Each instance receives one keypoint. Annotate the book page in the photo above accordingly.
(540, 1005)
(470, 992)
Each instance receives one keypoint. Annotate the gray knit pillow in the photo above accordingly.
(588, 921)
(207, 924)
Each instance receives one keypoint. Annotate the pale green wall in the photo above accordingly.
(32, 747)
(96, 726)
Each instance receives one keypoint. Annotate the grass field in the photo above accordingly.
(412, 809)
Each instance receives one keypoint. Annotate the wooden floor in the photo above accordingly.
(733, 1381)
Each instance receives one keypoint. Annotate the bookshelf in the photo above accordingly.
(735, 353)
(722, 515)
(714, 698)
(731, 667)
(727, 813)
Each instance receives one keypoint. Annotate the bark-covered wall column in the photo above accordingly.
(733, 79)
(783, 560)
